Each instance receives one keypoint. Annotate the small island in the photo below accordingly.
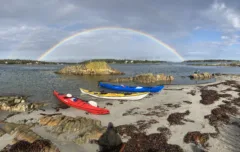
(90, 68)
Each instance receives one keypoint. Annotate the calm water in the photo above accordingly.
(38, 81)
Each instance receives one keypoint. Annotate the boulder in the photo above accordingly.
(144, 78)
(21, 107)
(204, 75)
(151, 78)
(83, 129)
(90, 68)
(18, 104)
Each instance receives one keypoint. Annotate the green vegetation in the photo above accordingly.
(96, 65)
(29, 62)
(124, 61)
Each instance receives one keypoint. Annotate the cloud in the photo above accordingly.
(197, 27)
(29, 28)
(222, 13)
(224, 37)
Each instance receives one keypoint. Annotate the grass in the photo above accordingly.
(97, 65)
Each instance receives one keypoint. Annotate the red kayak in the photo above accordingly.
(80, 104)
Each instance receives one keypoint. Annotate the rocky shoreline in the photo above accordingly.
(180, 118)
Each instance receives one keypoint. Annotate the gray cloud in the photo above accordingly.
(29, 28)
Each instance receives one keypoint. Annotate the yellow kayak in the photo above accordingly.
(116, 96)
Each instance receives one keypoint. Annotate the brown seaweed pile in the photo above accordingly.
(170, 105)
(166, 131)
(41, 145)
(209, 96)
(188, 102)
(140, 142)
(128, 130)
(158, 111)
(131, 112)
(196, 136)
(152, 143)
(176, 118)
(220, 115)
(236, 101)
(143, 124)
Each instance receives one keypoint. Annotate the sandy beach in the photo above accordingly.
(180, 108)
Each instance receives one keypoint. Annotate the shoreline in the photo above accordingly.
(155, 110)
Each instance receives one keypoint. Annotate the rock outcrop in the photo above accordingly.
(144, 78)
(82, 129)
(204, 75)
(90, 68)
(18, 104)
(23, 133)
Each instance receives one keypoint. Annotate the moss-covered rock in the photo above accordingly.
(90, 68)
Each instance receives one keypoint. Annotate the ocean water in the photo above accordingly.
(38, 81)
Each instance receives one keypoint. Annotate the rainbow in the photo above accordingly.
(108, 28)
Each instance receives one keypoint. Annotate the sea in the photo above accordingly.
(38, 81)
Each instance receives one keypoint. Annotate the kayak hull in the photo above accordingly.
(131, 88)
(115, 96)
(80, 104)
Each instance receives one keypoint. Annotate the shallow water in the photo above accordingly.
(38, 81)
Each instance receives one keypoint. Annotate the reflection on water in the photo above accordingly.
(38, 81)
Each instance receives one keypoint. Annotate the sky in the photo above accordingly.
(195, 29)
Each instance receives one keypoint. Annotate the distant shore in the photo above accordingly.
(213, 60)
(218, 64)
(110, 61)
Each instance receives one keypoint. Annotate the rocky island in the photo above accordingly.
(90, 68)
